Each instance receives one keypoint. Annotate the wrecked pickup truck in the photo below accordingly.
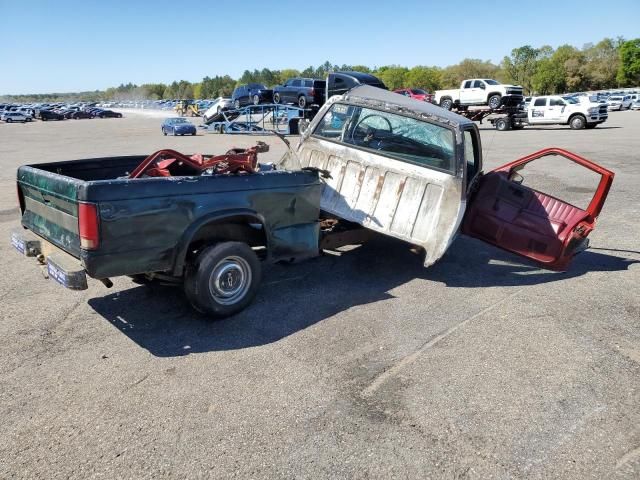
(371, 162)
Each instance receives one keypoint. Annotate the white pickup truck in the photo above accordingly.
(555, 110)
(480, 91)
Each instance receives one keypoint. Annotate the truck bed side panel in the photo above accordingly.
(143, 221)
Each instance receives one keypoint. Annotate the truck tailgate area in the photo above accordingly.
(49, 204)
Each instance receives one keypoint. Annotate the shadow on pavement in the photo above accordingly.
(294, 297)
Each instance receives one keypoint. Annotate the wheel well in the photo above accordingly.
(240, 228)
(577, 114)
(489, 95)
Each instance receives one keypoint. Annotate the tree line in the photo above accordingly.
(610, 63)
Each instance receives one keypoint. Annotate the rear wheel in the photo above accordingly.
(578, 122)
(446, 103)
(276, 97)
(8, 120)
(256, 99)
(502, 124)
(494, 101)
(302, 101)
(223, 280)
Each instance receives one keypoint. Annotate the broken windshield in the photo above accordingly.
(403, 138)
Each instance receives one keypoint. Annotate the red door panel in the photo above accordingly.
(531, 223)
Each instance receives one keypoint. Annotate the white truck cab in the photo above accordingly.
(480, 91)
(554, 109)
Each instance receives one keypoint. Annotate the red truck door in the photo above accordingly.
(509, 215)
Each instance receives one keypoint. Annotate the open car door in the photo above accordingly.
(509, 215)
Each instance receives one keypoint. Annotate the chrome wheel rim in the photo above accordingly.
(230, 280)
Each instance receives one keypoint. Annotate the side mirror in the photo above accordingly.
(483, 86)
(517, 178)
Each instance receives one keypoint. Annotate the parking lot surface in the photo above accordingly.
(358, 364)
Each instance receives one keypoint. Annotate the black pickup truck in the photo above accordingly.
(105, 217)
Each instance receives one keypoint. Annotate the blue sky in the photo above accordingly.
(61, 46)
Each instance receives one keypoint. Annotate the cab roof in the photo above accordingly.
(368, 95)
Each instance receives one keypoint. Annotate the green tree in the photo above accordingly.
(550, 77)
(154, 91)
(392, 76)
(322, 70)
(286, 74)
(197, 90)
(521, 66)
(429, 78)
(629, 68)
(453, 75)
(360, 68)
(602, 62)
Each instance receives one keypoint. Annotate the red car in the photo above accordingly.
(416, 93)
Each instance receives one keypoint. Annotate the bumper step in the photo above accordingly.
(62, 267)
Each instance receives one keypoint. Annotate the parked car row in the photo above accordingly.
(27, 113)
(303, 92)
(66, 113)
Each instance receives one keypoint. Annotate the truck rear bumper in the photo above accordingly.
(60, 266)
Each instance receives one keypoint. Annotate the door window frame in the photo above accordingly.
(456, 147)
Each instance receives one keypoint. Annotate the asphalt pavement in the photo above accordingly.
(356, 364)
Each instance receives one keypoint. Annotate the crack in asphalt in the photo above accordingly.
(412, 357)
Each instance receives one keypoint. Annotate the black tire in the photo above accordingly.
(446, 103)
(8, 120)
(577, 122)
(28, 119)
(302, 101)
(276, 97)
(164, 132)
(502, 124)
(44, 119)
(236, 104)
(223, 280)
(175, 134)
(193, 134)
(256, 100)
(494, 101)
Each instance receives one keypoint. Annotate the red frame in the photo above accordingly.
(494, 217)
(234, 161)
(600, 195)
